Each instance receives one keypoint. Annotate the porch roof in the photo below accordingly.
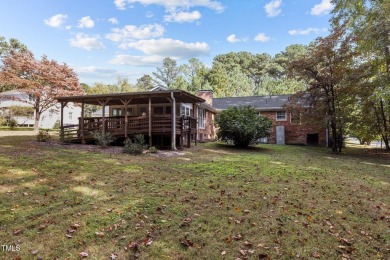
(162, 96)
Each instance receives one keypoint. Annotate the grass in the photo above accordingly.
(215, 202)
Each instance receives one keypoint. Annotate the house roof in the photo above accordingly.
(261, 103)
(161, 96)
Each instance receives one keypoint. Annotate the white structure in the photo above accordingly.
(48, 117)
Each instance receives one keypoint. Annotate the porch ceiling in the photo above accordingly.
(136, 98)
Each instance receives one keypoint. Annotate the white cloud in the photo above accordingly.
(183, 17)
(56, 20)
(172, 5)
(273, 8)
(113, 20)
(132, 32)
(120, 4)
(322, 8)
(232, 38)
(170, 48)
(95, 71)
(139, 61)
(307, 31)
(262, 37)
(86, 22)
(87, 42)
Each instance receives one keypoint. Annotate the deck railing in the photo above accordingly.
(135, 125)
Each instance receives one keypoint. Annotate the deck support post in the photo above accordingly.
(103, 104)
(63, 104)
(150, 122)
(196, 114)
(82, 124)
(173, 140)
(126, 102)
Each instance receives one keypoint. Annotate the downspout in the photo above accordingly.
(173, 143)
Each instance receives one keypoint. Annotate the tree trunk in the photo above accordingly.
(37, 115)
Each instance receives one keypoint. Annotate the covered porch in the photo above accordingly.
(146, 119)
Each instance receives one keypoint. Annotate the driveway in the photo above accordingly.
(17, 133)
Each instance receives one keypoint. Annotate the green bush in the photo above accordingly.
(153, 150)
(12, 123)
(57, 125)
(242, 126)
(43, 136)
(3, 121)
(135, 145)
(103, 139)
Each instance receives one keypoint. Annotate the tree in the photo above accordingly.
(242, 126)
(328, 69)
(145, 83)
(43, 79)
(369, 22)
(195, 74)
(167, 74)
(5, 50)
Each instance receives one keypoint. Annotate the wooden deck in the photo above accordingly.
(160, 126)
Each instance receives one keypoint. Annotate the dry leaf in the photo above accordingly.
(223, 252)
(83, 254)
(99, 234)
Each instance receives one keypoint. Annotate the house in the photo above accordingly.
(49, 117)
(171, 118)
(287, 127)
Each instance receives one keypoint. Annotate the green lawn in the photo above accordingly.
(214, 202)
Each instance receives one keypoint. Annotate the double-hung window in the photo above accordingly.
(281, 116)
(202, 118)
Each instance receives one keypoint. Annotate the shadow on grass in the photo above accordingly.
(233, 148)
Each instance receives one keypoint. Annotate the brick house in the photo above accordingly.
(287, 127)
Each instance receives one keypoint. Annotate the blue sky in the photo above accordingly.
(101, 39)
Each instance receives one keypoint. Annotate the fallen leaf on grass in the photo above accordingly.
(99, 234)
(148, 241)
(113, 256)
(243, 252)
(17, 232)
(134, 246)
(223, 252)
(83, 254)
(68, 235)
(315, 255)
(75, 226)
(34, 252)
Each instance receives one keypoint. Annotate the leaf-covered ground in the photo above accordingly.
(214, 202)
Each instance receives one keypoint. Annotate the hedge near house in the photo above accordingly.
(242, 126)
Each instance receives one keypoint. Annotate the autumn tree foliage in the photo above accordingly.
(329, 69)
(43, 79)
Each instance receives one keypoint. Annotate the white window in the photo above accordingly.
(51, 113)
(185, 110)
(70, 115)
(116, 111)
(281, 116)
(202, 118)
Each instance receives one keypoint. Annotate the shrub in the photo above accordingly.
(57, 125)
(242, 126)
(12, 123)
(103, 139)
(43, 136)
(153, 149)
(3, 121)
(135, 145)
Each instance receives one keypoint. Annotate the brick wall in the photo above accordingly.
(294, 134)
(209, 131)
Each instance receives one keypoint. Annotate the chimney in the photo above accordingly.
(206, 95)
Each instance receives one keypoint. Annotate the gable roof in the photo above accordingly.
(260, 103)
